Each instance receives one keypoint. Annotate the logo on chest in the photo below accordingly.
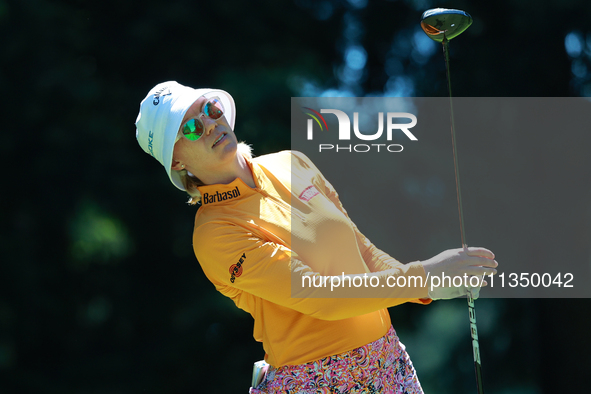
(308, 193)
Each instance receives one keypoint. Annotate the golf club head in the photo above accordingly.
(441, 23)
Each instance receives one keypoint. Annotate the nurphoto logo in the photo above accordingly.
(344, 132)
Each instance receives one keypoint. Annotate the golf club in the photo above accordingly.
(442, 25)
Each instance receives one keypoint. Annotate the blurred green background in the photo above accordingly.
(99, 288)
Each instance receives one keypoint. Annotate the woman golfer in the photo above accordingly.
(253, 212)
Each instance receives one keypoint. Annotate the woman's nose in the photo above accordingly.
(208, 124)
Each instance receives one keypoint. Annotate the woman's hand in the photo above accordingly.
(462, 263)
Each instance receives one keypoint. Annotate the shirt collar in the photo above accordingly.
(220, 193)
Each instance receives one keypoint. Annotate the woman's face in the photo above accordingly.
(216, 147)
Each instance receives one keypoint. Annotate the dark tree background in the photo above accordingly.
(99, 288)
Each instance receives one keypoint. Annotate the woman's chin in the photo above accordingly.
(228, 150)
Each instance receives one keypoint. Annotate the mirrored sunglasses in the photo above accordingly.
(194, 128)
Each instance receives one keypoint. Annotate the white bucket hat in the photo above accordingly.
(160, 117)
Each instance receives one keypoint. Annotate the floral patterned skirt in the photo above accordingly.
(382, 366)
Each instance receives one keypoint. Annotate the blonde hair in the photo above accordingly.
(191, 182)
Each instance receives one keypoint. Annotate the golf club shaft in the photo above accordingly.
(453, 140)
(471, 309)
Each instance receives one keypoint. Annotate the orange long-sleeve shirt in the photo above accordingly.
(253, 243)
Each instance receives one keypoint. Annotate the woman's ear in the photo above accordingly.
(177, 166)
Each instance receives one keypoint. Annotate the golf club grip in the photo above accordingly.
(475, 345)
(479, 386)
